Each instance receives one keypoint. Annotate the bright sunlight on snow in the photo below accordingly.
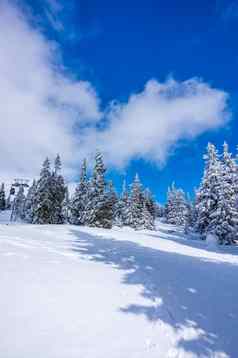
(71, 291)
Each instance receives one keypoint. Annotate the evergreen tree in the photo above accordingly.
(150, 202)
(136, 205)
(224, 217)
(2, 197)
(170, 208)
(30, 203)
(125, 205)
(147, 218)
(138, 213)
(176, 207)
(42, 211)
(66, 206)
(58, 164)
(49, 195)
(99, 211)
(57, 193)
(159, 210)
(207, 197)
(182, 207)
(80, 198)
(113, 200)
(191, 217)
(18, 205)
(121, 207)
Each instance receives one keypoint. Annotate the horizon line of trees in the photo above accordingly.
(94, 203)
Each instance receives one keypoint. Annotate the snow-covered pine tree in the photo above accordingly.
(80, 198)
(207, 195)
(136, 203)
(121, 208)
(159, 210)
(18, 205)
(2, 197)
(42, 211)
(49, 195)
(57, 165)
(150, 202)
(89, 215)
(99, 212)
(176, 207)
(113, 200)
(57, 193)
(224, 217)
(30, 203)
(125, 205)
(148, 220)
(191, 217)
(170, 207)
(182, 207)
(66, 206)
(140, 212)
(169, 212)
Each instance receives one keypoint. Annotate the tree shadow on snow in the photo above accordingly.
(193, 241)
(194, 297)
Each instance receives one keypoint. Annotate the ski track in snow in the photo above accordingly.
(72, 292)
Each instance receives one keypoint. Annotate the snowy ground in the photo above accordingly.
(70, 292)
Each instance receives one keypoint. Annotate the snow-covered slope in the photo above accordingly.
(70, 292)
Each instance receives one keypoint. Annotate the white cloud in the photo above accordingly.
(41, 107)
(155, 120)
(44, 111)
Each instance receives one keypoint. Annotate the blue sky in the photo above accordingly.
(119, 46)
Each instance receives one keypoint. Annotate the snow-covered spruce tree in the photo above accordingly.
(136, 204)
(139, 216)
(30, 203)
(148, 220)
(99, 211)
(49, 195)
(66, 206)
(18, 205)
(176, 207)
(191, 217)
(206, 201)
(159, 210)
(79, 200)
(2, 197)
(121, 207)
(170, 207)
(57, 193)
(125, 205)
(113, 200)
(89, 209)
(150, 202)
(230, 170)
(42, 211)
(224, 217)
(182, 207)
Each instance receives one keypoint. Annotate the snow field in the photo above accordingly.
(71, 291)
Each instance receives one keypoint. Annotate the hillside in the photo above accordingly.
(70, 292)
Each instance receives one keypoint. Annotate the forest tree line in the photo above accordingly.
(95, 202)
